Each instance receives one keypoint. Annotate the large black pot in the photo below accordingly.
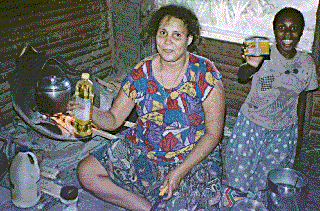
(31, 67)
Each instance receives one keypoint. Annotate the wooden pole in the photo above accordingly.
(306, 98)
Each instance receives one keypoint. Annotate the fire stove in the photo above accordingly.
(33, 128)
(29, 69)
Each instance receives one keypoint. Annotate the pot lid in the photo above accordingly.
(53, 83)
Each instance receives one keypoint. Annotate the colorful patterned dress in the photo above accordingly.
(169, 124)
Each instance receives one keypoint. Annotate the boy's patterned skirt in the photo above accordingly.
(251, 152)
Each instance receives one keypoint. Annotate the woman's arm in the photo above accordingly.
(214, 110)
(115, 116)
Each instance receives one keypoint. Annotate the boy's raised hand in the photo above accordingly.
(253, 61)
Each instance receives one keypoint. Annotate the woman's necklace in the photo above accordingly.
(161, 70)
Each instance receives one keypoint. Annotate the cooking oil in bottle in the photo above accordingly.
(83, 113)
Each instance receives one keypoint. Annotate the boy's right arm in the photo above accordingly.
(246, 70)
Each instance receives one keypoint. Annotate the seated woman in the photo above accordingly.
(180, 105)
(265, 135)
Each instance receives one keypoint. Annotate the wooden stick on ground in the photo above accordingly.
(103, 134)
(107, 135)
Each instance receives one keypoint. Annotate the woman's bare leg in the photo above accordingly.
(93, 177)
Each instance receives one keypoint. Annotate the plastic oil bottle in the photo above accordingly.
(25, 179)
(83, 114)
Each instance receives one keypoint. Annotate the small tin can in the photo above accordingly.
(257, 46)
(69, 198)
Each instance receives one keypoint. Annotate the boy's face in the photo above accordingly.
(287, 32)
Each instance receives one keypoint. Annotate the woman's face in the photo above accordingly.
(287, 33)
(172, 39)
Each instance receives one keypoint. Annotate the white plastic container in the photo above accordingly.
(25, 179)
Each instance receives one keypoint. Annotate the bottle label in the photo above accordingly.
(83, 113)
(257, 47)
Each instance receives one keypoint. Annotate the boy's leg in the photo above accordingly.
(251, 153)
(237, 166)
(242, 155)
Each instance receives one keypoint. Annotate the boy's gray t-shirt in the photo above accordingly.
(273, 97)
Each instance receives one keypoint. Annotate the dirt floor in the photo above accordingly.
(307, 162)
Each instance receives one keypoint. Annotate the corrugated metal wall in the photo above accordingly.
(227, 58)
(81, 32)
(78, 30)
(315, 117)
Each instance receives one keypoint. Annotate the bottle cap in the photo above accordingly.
(24, 148)
(85, 76)
(69, 192)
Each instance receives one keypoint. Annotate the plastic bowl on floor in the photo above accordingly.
(247, 204)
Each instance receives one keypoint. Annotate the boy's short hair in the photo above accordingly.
(292, 12)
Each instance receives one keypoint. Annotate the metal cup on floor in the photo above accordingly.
(287, 190)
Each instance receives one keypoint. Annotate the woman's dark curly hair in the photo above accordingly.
(186, 15)
(291, 12)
